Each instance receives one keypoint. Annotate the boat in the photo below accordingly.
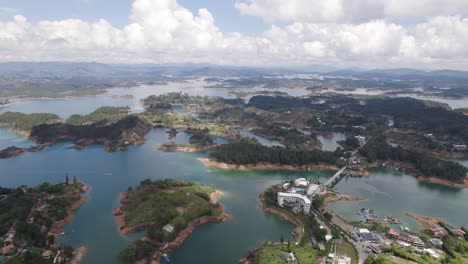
(166, 257)
(108, 174)
(63, 233)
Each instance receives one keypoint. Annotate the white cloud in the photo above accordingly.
(348, 11)
(164, 31)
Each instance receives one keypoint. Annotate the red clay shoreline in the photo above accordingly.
(177, 242)
(58, 226)
(418, 177)
(265, 166)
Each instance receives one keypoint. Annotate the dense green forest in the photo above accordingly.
(33, 211)
(200, 136)
(25, 122)
(415, 114)
(246, 152)
(105, 114)
(129, 129)
(426, 164)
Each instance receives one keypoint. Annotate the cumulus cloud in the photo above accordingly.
(348, 11)
(164, 31)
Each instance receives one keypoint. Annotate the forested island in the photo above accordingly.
(23, 123)
(199, 140)
(181, 206)
(251, 154)
(110, 126)
(32, 218)
(115, 136)
(424, 164)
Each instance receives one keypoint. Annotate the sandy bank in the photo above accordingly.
(425, 221)
(338, 197)
(215, 195)
(265, 166)
(183, 148)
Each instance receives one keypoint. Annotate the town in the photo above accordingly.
(371, 237)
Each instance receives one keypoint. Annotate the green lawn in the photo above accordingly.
(305, 255)
(347, 249)
(272, 254)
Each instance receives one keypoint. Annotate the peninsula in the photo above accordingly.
(181, 206)
(32, 218)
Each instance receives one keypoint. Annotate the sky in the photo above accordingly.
(425, 34)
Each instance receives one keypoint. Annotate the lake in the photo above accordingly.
(109, 174)
(95, 226)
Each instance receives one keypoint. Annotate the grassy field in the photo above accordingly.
(272, 254)
(347, 249)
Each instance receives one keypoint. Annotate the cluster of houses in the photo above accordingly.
(298, 196)
(405, 239)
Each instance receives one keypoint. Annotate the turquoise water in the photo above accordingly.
(95, 226)
(394, 193)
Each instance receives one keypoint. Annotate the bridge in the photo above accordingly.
(335, 177)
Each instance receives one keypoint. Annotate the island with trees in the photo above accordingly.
(31, 218)
(200, 140)
(169, 210)
(24, 123)
(113, 127)
(246, 154)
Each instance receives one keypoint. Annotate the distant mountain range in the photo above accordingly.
(93, 69)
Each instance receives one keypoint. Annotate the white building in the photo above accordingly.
(361, 140)
(460, 147)
(168, 228)
(301, 182)
(294, 200)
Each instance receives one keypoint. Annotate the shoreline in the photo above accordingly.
(183, 234)
(124, 230)
(298, 225)
(267, 166)
(339, 197)
(426, 222)
(183, 148)
(59, 225)
(420, 178)
(210, 163)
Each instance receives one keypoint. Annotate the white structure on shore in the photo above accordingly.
(361, 140)
(301, 182)
(294, 200)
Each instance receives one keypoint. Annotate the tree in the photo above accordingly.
(74, 179)
(281, 239)
(66, 178)
(51, 240)
(328, 216)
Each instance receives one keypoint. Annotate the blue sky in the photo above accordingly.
(347, 33)
(227, 17)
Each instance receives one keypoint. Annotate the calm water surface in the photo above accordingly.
(394, 193)
(94, 225)
(386, 191)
